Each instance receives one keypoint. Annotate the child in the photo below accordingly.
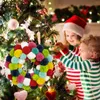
(89, 66)
(74, 28)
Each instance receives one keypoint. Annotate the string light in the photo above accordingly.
(49, 3)
(90, 12)
(62, 19)
(50, 8)
(98, 21)
(89, 20)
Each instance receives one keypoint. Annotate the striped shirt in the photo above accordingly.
(74, 75)
(89, 75)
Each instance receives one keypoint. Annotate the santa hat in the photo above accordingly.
(76, 24)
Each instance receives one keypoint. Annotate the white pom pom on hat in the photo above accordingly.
(77, 25)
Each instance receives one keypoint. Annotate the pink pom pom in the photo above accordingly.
(39, 57)
(7, 64)
(21, 95)
(20, 78)
(32, 45)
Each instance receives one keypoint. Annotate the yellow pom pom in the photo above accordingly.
(50, 65)
(41, 81)
(19, 65)
(17, 53)
(14, 80)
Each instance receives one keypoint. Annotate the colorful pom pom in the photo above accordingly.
(45, 52)
(18, 46)
(31, 55)
(38, 57)
(26, 81)
(40, 48)
(24, 44)
(17, 53)
(44, 61)
(26, 50)
(32, 45)
(35, 50)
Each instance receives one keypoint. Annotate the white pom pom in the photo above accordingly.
(47, 78)
(21, 61)
(38, 67)
(23, 44)
(26, 81)
(71, 86)
(31, 55)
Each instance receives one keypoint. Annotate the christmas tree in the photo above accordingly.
(21, 20)
(28, 20)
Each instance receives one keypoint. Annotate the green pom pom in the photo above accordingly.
(43, 68)
(45, 52)
(11, 52)
(13, 66)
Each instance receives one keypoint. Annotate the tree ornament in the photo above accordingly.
(51, 94)
(71, 86)
(29, 54)
(13, 24)
(26, 1)
(21, 95)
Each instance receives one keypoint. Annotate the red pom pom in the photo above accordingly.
(33, 83)
(17, 47)
(50, 72)
(26, 50)
(7, 64)
(10, 76)
(36, 62)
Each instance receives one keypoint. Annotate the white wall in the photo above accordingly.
(64, 3)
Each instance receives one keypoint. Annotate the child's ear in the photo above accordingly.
(94, 55)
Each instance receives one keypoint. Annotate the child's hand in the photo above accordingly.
(59, 46)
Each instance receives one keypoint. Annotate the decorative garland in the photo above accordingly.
(40, 59)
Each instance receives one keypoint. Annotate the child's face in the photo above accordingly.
(85, 52)
(72, 38)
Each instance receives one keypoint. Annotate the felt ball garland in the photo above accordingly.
(38, 56)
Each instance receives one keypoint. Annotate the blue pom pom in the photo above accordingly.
(42, 74)
(8, 58)
(14, 60)
(15, 73)
(20, 85)
(50, 58)
(20, 70)
(36, 71)
(28, 75)
(44, 61)
(35, 50)
(40, 47)
(23, 56)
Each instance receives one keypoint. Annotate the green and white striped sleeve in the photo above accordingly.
(79, 65)
(72, 56)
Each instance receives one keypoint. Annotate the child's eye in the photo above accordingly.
(67, 35)
(56, 41)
